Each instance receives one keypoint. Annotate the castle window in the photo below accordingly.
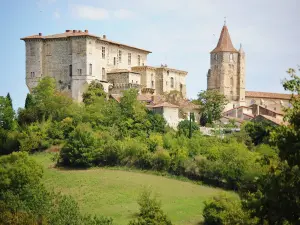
(166, 83)
(103, 52)
(168, 72)
(103, 74)
(231, 57)
(152, 84)
(129, 58)
(114, 61)
(136, 82)
(91, 69)
(69, 86)
(79, 71)
(32, 74)
(231, 81)
(120, 56)
(216, 56)
(132, 81)
(70, 70)
(172, 82)
(139, 60)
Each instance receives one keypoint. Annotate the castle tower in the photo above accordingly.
(227, 70)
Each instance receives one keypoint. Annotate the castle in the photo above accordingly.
(75, 58)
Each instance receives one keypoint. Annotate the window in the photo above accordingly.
(136, 82)
(172, 82)
(114, 61)
(129, 58)
(103, 74)
(79, 71)
(69, 86)
(216, 57)
(231, 56)
(152, 84)
(132, 81)
(91, 69)
(103, 52)
(139, 60)
(168, 72)
(32, 74)
(79, 48)
(70, 70)
(166, 83)
(120, 56)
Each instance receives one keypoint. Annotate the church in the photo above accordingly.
(227, 74)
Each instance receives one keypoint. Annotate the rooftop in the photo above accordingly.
(159, 67)
(78, 33)
(256, 94)
(224, 44)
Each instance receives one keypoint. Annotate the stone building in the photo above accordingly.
(75, 58)
(227, 74)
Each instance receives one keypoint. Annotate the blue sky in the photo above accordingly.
(180, 33)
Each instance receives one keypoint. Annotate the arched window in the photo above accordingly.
(172, 82)
(231, 57)
(231, 81)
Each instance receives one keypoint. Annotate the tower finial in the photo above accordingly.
(225, 21)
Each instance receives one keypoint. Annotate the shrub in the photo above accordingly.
(161, 160)
(222, 210)
(155, 140)
(184, 127)
(80, 148)
(150, 211)
(132, 148)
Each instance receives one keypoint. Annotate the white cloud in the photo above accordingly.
(89, 12)
(123, 14)
(97, 13)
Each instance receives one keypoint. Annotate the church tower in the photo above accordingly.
(227, 70)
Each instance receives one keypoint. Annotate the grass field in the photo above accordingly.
(114, 192)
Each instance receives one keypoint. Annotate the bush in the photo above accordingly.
(222, 210)
(161, 160)
(155, 140)
(80, 148)
(150, 211)
(132, 148)
(184, 127)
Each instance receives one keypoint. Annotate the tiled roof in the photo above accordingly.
(159, 67)
(256, 94)
(76, 33)
(165, 104)
(273, 119)
(224, 44)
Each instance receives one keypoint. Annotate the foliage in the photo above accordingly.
(150, 211)
(212, 104)
(24, 200)
(184, 127)
(223, 210)
(258, 131)
(94, 91)
(7, 113)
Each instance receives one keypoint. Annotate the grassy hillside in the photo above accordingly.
(114, 192)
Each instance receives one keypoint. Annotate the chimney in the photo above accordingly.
(67, 31)
(40, 34)
(104, 36)
(86, 31)
(79, 31)
(74, 31)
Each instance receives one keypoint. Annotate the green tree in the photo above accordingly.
(212, 104)
(184, 127)
(7, 113)
(29, 101)
(150, 211)
(276, 200)
(94, 91)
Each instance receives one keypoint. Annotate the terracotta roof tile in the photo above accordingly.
(224, 44)
(78, 34)
(256, 94)
(165, 104)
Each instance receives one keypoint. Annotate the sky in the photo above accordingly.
(180, 33)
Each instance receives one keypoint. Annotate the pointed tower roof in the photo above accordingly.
(224, 44)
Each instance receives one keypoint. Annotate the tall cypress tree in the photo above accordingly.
(9, 101)
(28, 101)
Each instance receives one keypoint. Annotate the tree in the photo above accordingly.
(7, 113)
(8, 98)
(276, 200)
(185, 126)
(94, 91)
(29, 101)
(150, 211)
(212, 104)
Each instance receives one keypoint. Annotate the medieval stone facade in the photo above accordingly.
(227, 75)
(75, 58)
